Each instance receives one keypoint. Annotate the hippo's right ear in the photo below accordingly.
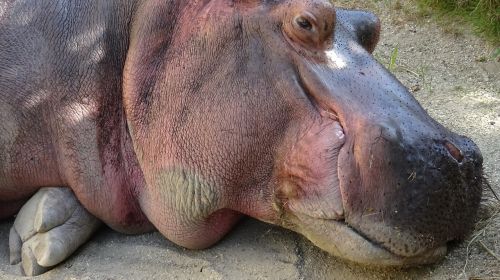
(364, 26)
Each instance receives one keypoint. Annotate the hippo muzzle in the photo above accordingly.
(406, 184)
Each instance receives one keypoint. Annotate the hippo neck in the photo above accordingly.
(122, 177)
(117, 152)
(155, 36)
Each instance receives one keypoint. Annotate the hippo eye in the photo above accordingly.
(304, 23)
(303, 29)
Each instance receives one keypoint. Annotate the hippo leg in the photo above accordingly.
(48, 229)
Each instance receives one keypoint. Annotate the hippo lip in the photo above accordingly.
(340, 239)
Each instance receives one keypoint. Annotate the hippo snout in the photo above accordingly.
(413, 193)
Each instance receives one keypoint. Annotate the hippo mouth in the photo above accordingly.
(340, 239)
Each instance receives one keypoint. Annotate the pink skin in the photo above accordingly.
(210, 110)
(306, 181)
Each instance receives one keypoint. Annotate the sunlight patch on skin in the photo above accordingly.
(24, 18)
(97, 55)
(336, 59)
(2, 8)
(77, 113)
(36, 98)
(85, 40)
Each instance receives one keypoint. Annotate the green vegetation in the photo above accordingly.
(392, 62)
(483, 14)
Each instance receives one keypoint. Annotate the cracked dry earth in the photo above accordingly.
(454, 77)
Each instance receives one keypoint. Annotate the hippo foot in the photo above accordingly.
(48, 229)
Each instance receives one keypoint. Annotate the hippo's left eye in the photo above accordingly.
(309, 32)
(304, 23)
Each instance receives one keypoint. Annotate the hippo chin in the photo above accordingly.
(183, 116)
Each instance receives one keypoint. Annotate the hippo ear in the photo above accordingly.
(364, 26)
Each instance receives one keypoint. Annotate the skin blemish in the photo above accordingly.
(186, 195)
(289, 190)
(412, 176)
(340, 134)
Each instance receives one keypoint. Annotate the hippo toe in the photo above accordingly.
(49, 228)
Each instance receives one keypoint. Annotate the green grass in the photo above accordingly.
(394, 57)
(484, 15)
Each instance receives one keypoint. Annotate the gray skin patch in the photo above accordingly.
(9, 128)
(187, 196)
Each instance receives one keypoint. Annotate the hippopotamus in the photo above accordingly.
(184, 116)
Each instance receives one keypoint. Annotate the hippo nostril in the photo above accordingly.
(455, 152)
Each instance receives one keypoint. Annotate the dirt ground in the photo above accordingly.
(451, 72)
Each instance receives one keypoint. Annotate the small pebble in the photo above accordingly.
(415, 88)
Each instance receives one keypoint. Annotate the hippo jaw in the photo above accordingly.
(347, 243)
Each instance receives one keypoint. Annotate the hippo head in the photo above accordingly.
(278, 110)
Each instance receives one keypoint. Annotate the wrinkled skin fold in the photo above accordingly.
(183, 116)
